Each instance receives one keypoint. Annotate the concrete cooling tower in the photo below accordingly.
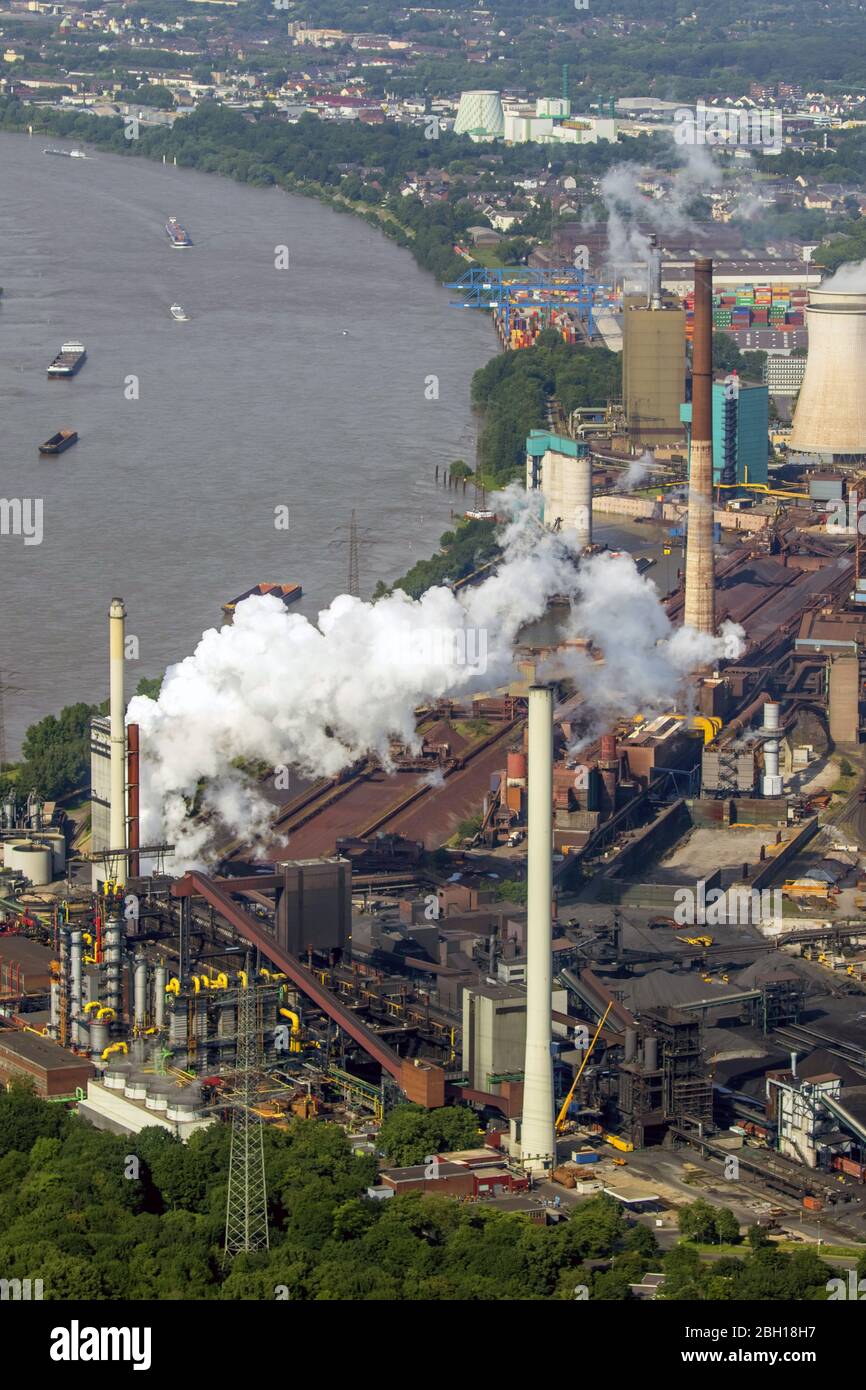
(479, 115)
(830, 417)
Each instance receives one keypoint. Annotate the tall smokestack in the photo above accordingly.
(654, 276)
(700, 575)
(117, 832)
(133, 777)
(538, 1139)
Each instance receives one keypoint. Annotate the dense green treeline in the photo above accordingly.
(514, 390)
(100, 1216)
(674, 49)
(469, 545)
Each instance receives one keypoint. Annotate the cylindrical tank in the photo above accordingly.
(158, 1093)
(159, 983)
(140, 1014)
(630, 1044)
(117, 1074)
(772, 783)
(114, 964)
(99, 1036)
(515, 772)
(136, 1086)
(651, 1054)
(54, 1008)
(78, 1028)
(183, 1104)
(57, 840)
(33, 860)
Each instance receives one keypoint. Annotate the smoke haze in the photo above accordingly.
(315, 697)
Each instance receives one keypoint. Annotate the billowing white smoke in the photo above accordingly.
(645, 657)
(628, 248)
(637, 472)
(277, 689)
(850, 278)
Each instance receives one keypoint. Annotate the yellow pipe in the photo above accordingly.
(94, 1004)
(560, 1119)
(266, 973)
(221, 981)
(242, 976)
(173, 986)
(196, 983)
(102, 1012)
(86, 937)
(114, 1047)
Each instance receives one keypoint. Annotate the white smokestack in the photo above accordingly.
(117, 831)
(772, 783)
(538, 1138)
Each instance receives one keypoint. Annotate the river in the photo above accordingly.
(335, 383)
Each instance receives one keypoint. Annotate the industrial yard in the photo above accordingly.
(504, 938)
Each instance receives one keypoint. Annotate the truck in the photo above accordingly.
(622, 1144)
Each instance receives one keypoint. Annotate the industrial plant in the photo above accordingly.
(610, 899)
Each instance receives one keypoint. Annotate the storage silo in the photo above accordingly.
(830, 416)
(33, 860)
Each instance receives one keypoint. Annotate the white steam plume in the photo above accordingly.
(850, 278)
(645, 657)
(637, 472)
(627, 205)
(276, 688)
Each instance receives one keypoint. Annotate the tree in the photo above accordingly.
(410, 1134)
(697, 1222)
(57, 752)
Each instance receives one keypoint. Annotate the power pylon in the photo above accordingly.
(247, 1203)
(5, 688)
(358, 536)
(354, 569)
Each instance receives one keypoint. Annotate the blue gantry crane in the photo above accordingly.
(518, 289)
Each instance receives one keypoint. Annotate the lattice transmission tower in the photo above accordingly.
(247, 1204)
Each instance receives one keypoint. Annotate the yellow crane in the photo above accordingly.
(561, 1117)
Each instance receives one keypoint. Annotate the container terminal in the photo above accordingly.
(633, 970)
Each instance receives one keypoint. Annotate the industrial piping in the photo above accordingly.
(700, 575)
(538, 1138)
(117, 822)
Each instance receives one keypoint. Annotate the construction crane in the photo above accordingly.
(562, 1116)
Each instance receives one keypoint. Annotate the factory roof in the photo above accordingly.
(41, 1051)
(656, 730)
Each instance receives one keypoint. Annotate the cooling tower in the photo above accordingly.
(830, 417)
(480, 116)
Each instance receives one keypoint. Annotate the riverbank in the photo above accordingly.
(301, 389)
(302, 158)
